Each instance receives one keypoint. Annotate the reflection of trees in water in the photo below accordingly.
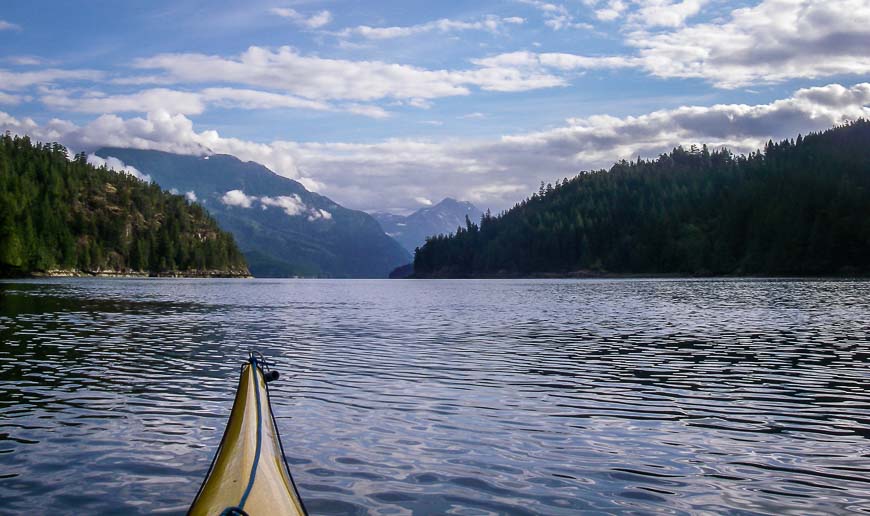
(53, 346)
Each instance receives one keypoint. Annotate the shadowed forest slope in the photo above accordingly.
(797, 207)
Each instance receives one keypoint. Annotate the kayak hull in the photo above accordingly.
(249, 475)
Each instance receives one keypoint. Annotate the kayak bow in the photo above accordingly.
(248, 474)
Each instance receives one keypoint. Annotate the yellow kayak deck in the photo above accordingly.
(249, 475)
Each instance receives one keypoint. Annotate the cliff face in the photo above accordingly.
(66, 217)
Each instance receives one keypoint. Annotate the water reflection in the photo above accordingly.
(514, 397)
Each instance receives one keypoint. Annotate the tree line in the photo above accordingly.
(797, 207)
(58, 213)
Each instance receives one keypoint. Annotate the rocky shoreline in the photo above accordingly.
(76, 273)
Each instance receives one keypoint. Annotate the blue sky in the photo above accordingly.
(392, 105)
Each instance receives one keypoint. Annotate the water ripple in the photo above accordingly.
(505, 397)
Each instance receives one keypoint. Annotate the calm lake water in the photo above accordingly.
(465, 397)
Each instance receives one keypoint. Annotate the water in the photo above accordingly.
(465, 397)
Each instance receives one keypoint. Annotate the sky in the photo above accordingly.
(391, 106)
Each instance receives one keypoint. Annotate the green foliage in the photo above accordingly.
(796, 208)
(62, 214)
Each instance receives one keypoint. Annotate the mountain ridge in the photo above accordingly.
(442, 218)
(283, 229)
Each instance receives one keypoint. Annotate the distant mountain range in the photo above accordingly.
(443, 218)
(283, 229)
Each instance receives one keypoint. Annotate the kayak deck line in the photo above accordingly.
(253, 474)
(249, 473)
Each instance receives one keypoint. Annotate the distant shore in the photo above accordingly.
(588, 274)
(558, 275)
(76, 273)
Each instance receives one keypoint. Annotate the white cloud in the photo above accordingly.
(646, 13)
(8, 98)
(140, 102)
(367, 110)
(117, 165)
(665, 13)
(318, 214)
(292, 205)
(424, 201)
(506, 79)
(331, 79)
(771, 42)
(611, 11)
(311, 184)
(19, 80)
(192, 103)
(489, 23)
(310, 77)
(25, 60)
(486, 193)
(254, 99)
(494, 173)
(140, 80)
(314, 21)
(190, 196)
(554, 60)
(237, 198)
(5, 25)
(319, 19)
(556, 16)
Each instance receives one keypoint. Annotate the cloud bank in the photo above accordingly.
(771, 42)
(494, 173)
(117, 165)
(338, 79)
(768, 43)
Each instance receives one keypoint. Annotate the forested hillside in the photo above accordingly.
(66, 216)
(798, 207)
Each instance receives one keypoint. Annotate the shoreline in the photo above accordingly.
(75, 273)
(610, 275)
(538, 276)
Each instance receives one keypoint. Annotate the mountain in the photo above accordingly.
(799, 207)
(443, 218)
(283, 229)
(66, 217)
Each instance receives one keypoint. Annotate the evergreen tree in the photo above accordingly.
(799, 207)
(61, 213)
